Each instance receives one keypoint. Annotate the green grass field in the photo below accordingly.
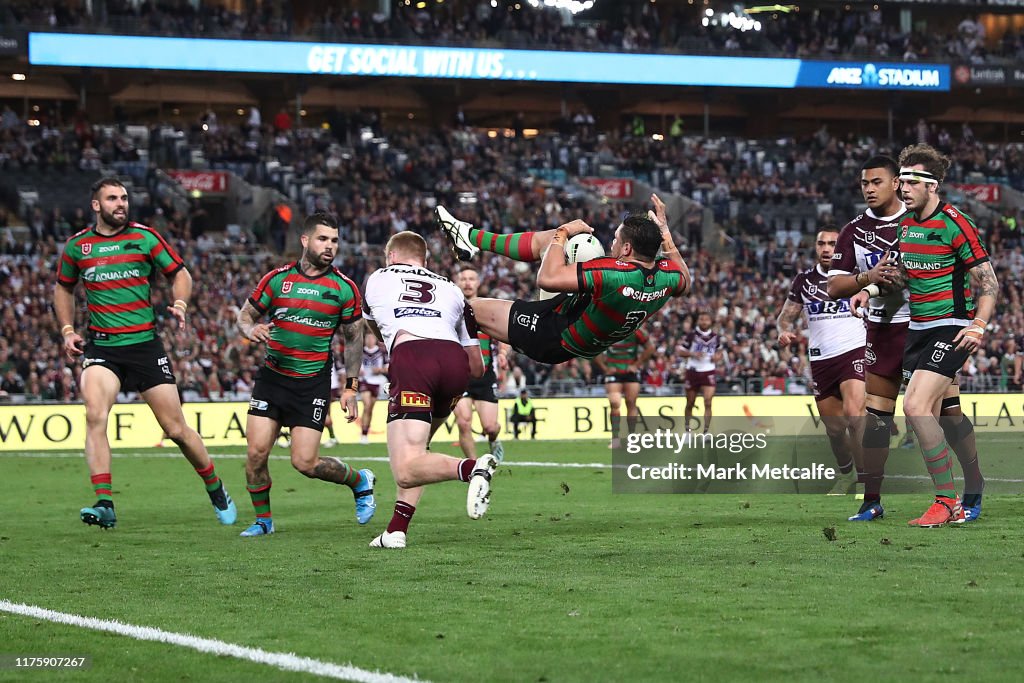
(562, 581)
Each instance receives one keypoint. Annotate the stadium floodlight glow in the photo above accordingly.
(574, 6)
(18, 77)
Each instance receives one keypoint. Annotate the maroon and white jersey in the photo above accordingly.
(373, 360)
(703, 344)
(418, 301)
(337, 371)
(862, 243)
(833, 329)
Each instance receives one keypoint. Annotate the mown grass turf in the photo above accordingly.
(553, 585)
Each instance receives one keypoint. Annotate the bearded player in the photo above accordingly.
(115, 260)
(482, 393)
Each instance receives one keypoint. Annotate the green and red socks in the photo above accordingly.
(517, 246)
(102, 487)
(940, 467)
(260, 495)
(214, 486)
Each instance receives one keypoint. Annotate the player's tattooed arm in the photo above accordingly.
(353, 333)
(786, 322)
(247, 325)
(985, 286)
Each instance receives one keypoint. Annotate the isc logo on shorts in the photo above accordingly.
(414, 399)
(257, 404)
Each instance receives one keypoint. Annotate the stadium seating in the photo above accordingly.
(766, 199)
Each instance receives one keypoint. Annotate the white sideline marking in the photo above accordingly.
(282, 660)
(377, 458)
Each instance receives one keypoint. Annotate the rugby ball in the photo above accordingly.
(582, 247)
(579, 248)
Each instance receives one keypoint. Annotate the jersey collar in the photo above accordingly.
(903, 210)
(113, 234)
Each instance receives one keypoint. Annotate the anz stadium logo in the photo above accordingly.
(871, 76)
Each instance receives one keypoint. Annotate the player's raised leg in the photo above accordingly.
(99, 391)
(492, 316)
(163, 400)
(467, 241)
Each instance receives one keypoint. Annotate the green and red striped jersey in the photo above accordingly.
(116, 271)
(615, 298)
(304, 313)
(937, 253)
(625, 352)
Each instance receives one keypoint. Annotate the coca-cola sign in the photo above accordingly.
(203, 181)
(983, 192)
(612, 188)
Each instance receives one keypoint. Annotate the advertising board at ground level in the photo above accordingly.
(132, 426)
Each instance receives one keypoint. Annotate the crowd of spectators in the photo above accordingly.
(385, 181)
(635, 26)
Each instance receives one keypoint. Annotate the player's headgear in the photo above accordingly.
(935, 164)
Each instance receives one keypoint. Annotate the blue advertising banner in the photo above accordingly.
(874, 76)
(200, 54)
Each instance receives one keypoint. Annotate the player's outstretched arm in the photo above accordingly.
(786, 322)
(668, 245)
(247, 325)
